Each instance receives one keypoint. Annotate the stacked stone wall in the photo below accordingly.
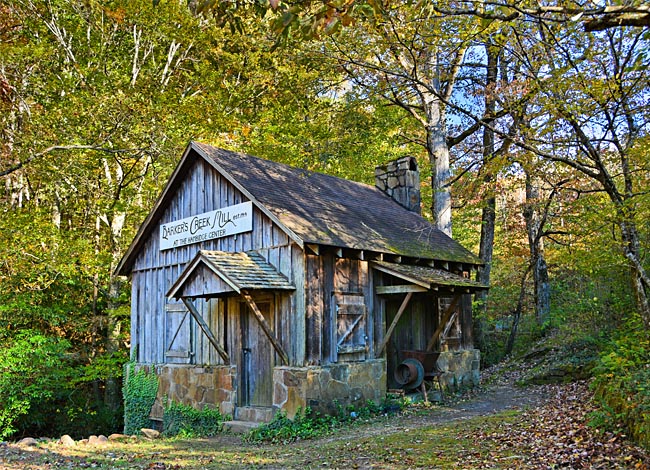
(200, 387)
(460, 369)
(323, 387)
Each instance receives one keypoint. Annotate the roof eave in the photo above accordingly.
(127, 261)
(472, 286)
(299, 241)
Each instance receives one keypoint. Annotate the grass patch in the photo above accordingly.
(452, 445)
(388, 447)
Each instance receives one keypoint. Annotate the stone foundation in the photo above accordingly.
(322, 387)
(460, 369)
(200, 387)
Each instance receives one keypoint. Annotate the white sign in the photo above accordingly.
(208, 226)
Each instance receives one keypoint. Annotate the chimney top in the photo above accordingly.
(400, 179)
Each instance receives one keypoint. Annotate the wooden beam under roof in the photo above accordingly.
(315, 249)
(400, 289)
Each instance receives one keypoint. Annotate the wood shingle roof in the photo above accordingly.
(428, 277)
(314, 208)
(326, 210)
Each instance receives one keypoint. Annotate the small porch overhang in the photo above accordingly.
(220, 273)
(213, 274)
(423, 279)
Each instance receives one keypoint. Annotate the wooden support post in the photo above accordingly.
(449, 324)
(265, 326)
(443, 322)
(392, 326)
(206, 330)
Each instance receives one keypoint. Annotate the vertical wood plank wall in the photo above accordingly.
(152, 328)
(327, 275)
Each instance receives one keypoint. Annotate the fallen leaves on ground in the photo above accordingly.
(557, 435)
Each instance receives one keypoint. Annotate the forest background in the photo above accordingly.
(529, 123)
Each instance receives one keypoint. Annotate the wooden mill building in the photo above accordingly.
(258, 287)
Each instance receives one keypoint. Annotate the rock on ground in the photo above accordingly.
(27, 442)
(150, 433)
(67, 441)
(97, 440)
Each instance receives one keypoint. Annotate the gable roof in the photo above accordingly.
(238, 271)
(314, 208)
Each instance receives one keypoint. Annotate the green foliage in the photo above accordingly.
(188, 422)
(139, 391)
(622, 384)
(306, 424)
(309, 424)
(136, 83)
(32, 366)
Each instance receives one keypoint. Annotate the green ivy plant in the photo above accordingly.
(309, 424)
(188, 422)
(622, 384)
(139, 390)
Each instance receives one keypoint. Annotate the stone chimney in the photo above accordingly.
(400, 179)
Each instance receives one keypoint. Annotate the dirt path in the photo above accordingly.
(550, 431)
(501, 395)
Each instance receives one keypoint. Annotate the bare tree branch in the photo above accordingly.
(54, 148)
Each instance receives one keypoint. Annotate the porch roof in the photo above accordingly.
(211, 273)
(428, 278)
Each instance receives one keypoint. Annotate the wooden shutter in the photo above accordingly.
(177, 333)
(351, 316)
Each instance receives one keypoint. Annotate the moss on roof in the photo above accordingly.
(326, 210)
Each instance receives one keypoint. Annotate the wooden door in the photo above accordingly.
(257, 357)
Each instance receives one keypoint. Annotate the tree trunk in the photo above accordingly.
(534, 227)
(115, 222)
(640, 278)
(439, 159)
(488, 213)
(112, 394)
(510, 344)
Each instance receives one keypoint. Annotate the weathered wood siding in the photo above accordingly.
(202, 280)
(154, 325)
(338, 291)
